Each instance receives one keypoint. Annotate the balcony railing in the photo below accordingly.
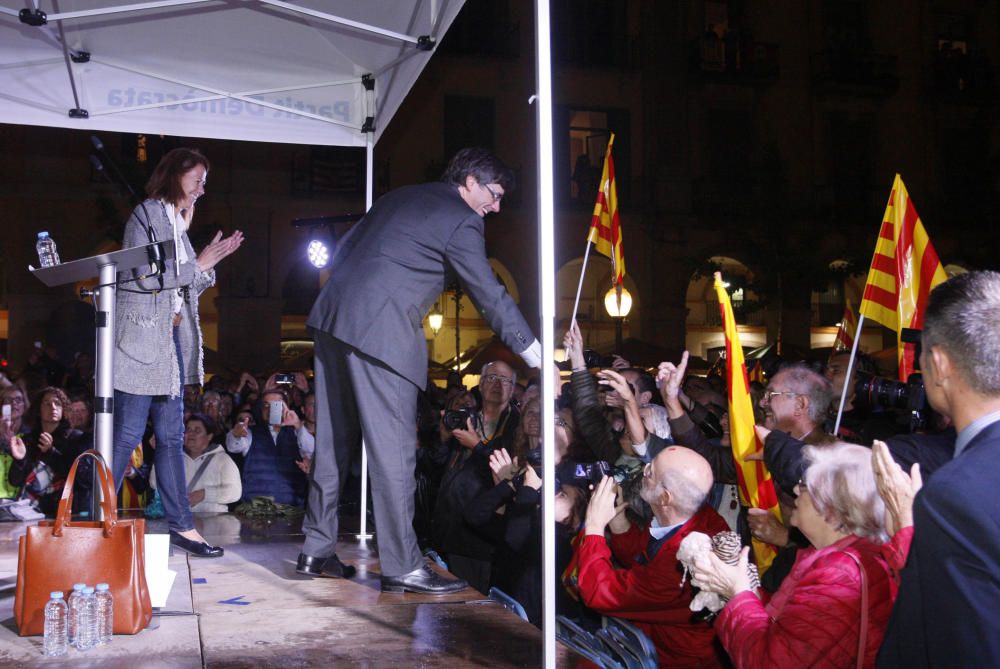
(734, 60)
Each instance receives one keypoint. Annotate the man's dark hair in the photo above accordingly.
(482, 165)
(645, 383)
(962, 318)
(165, 182)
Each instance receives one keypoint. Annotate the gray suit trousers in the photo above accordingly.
(358, 395)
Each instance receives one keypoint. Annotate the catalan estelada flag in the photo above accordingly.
(848, 328)
(755, 483)
(605, 226)
(904, 269)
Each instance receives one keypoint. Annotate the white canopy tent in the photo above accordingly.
(330, 72)
(312, 72)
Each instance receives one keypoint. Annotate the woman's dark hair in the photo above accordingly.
(206, 422)
(165, 182)
(480, 164)
(35, 412)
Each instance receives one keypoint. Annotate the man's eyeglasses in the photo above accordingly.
(801, 485)
(496, 195)
(771, 394)
(561, 422)
(495, 378)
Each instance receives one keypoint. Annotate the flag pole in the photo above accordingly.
(850, 368)
(579, 287)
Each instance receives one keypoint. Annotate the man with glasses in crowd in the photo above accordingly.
(371, 353)
(468, 552)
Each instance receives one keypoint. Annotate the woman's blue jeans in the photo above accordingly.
(167, 414)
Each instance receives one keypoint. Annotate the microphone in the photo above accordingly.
(96, 141)
(98, 166)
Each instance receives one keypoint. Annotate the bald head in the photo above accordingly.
(685, 476)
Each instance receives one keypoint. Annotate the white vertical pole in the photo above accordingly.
(369, 193)
(547, 274)
(850, 368)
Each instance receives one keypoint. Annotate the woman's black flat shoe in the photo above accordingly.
(196, 548)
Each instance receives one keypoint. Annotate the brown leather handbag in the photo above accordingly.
(54, 555)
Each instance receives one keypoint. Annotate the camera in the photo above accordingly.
(456, 419)
(284, 378)
(591, 473)
(909, 397)
(595, 359)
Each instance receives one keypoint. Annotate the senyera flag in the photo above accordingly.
(605, 226)
(755, 483)
(904, 269)
(848, 328)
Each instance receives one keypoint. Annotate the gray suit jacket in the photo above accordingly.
(393, 265)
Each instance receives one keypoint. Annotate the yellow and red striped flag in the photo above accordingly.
(904, 269)
(848, 328)
(605, 226)
(755, 484)
(757, 372)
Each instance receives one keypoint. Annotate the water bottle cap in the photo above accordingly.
(88, 590)
(79, 586)
(56, 594)
(43, 234)
(101, 587)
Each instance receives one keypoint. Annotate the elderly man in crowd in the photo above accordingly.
(946, 613)
(648, 590)
(470, 554)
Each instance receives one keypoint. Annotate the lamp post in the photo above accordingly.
(618, 312)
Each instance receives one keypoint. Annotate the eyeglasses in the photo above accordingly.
(801, 485)
(496, 195)
(495, 378)
(561, 422)
(771, 394)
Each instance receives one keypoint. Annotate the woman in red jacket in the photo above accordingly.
(837, 599)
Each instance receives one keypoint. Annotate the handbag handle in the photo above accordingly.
(864, 608)
(109, 502)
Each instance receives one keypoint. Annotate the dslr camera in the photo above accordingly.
(456, 419)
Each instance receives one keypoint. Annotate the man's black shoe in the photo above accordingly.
(331, 567)
(423, 581)
(309, 565)
(195, 548)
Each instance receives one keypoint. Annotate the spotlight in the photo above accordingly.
(318, 253)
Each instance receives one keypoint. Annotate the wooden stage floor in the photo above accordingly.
(250, 609)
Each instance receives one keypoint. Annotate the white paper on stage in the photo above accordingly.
(159, 577)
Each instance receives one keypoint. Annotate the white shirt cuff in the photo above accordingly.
(533, 355)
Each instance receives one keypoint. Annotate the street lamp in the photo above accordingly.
(435, 319)
(618, 313)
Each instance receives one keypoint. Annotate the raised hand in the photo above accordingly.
(895, 488)
(44, 442)
(573, 343)
(218, 249)
(17, 448)
(602, 509)
(501, 465)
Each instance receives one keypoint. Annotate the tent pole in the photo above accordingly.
(547, 273)
(369, 192)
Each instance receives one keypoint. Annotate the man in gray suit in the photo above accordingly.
(371, 356)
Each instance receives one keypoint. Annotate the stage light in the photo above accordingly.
(318, 254)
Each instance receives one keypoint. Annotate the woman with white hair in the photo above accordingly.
(835, 603)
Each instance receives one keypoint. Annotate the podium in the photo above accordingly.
(106, 267)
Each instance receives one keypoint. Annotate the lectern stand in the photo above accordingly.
(106, 267)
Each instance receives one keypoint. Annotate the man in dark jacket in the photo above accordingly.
(371, 355)
(945, 615)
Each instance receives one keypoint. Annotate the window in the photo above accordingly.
(582, 139)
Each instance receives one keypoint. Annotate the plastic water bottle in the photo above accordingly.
(86, 621)
(48, 256)
(54, 642)
(105, 614)
(74, 611)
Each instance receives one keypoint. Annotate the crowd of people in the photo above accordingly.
(869, 565)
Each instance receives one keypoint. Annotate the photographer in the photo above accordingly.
(510, 513)
(860, 423)
(467, 474)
